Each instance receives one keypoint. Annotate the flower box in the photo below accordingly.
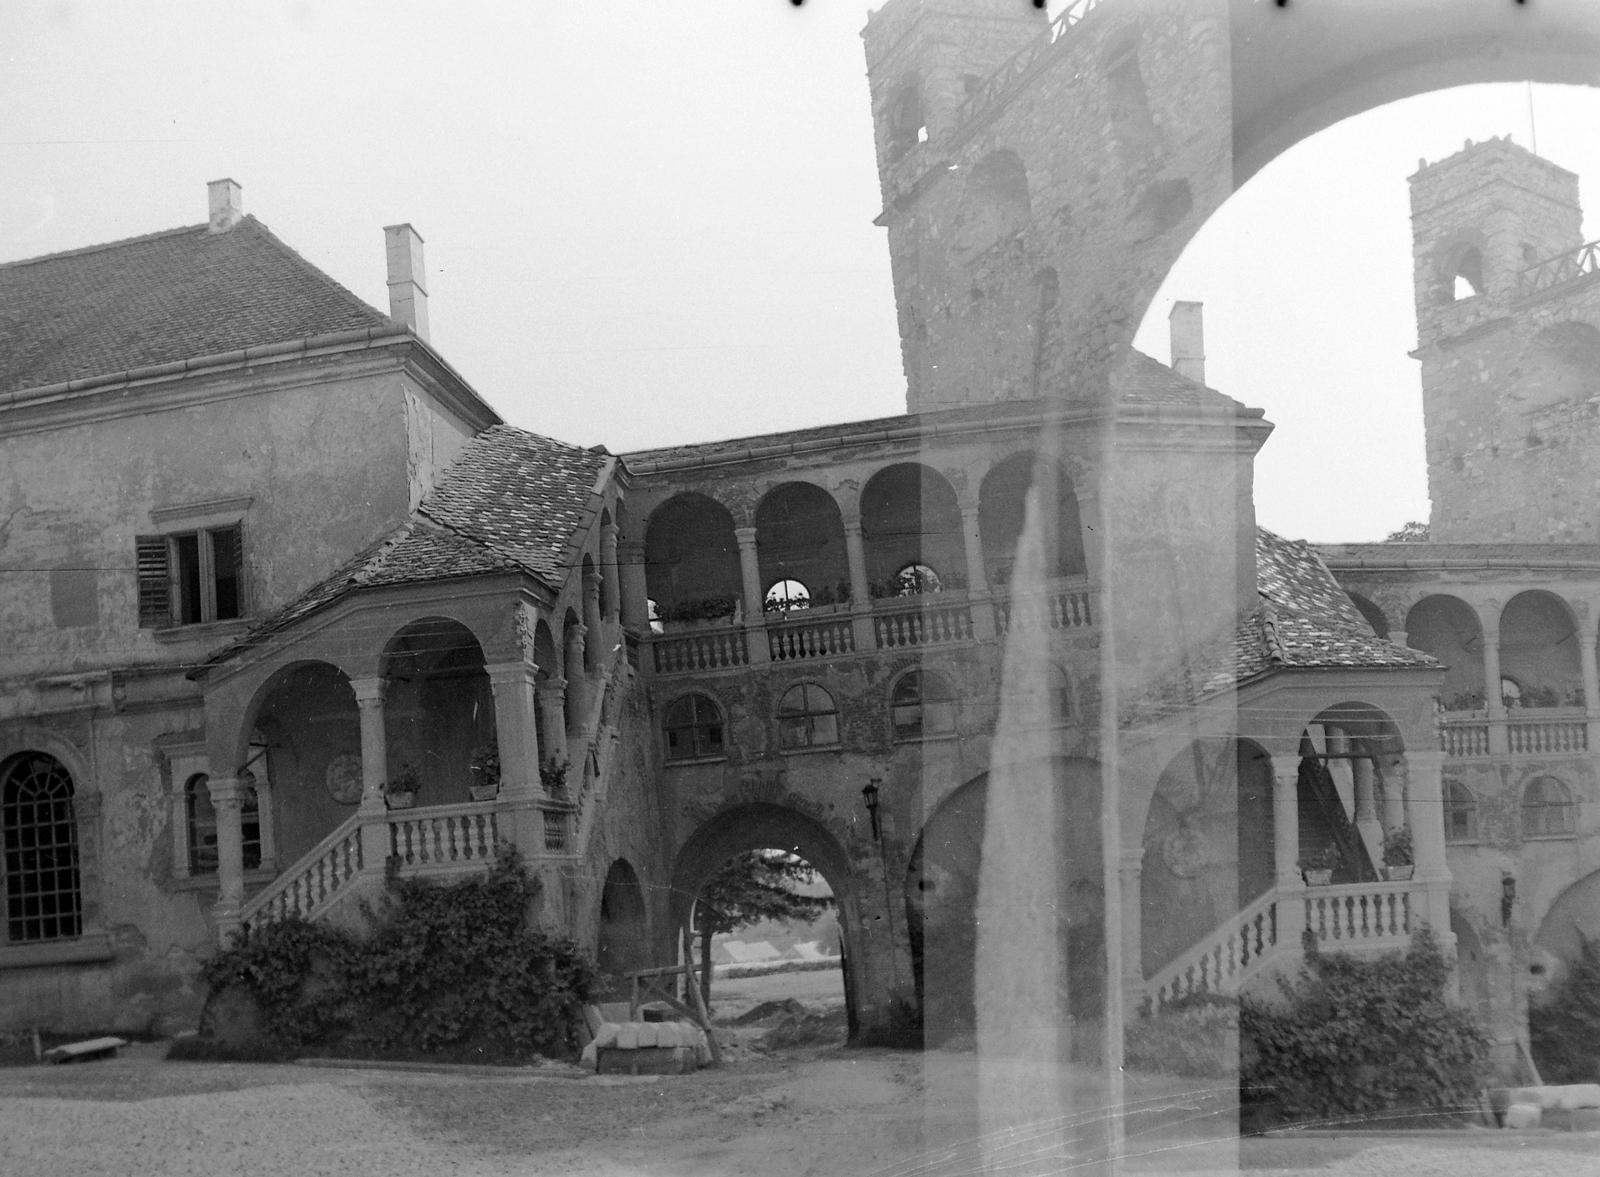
(1319, 878)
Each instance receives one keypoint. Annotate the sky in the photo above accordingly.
(650, 224)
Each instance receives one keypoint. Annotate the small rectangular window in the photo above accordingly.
(191, 577)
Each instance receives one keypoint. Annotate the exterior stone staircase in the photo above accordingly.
(445, 840)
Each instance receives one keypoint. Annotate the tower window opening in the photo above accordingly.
(1464, 278)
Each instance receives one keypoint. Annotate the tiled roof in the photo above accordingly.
(1304, 621)
(1140, 380)
(510, 502)
(161, 298)
(520, 494)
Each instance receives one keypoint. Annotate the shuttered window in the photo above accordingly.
(155, 593)
(191, 577)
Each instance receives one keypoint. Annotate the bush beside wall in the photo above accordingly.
(447, 970)
(1564, 1028)
(1362, 1039)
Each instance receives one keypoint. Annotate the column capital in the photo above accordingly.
(1131, 861)
(969, 511)
(746, 536)
(1286, 768)
(511, 671)
(610, 530)
(555, 684)
(592, 578)
(630, 547)
(1426, 758)
(226, 790)
(851, 523)
(369, 691)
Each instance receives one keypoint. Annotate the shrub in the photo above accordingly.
(1564, 1028)
(1363, 1037)
(1196, 1037)
(445, 966)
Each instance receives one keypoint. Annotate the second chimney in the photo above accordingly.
(408, 288)
(1188, 341)
(225, 205)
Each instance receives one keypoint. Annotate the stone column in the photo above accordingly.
(553, 704)
(855, 550)
(755, 622)
(635, 588)
(1591, 679)
(265, 816)
(1499, 744)
(610, 598)
(1366, 820)
(1425, 809)
(593, 654)
(573, 660)
(1394, 801)
(518, 740)
(1089, 520)
(1130, 867)
(983, 626)
(227, 795)
(1286, 850)
(374, 772)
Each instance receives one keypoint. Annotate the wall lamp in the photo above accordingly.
(1508, 896)
(870, 796)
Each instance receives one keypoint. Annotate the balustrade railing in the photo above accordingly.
(799, 636)
(1464, 738)
(1582, 262)
(312, 883)
(923, 624)
(1528, 731)
(1051, 609)
(997, 84)
(442, 836)
(711, 649)
(1224, 960)
(1547, 735)
(1360, 915)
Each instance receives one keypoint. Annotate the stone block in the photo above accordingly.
(1585, 1119)
(627, 1036)
(1523, 1115)
(644, 1035)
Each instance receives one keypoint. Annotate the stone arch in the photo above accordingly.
(691, 555)
(438, 706)
(1572, 918)
(1539, 651)
(623, 943)
(941, 896)
(306, 713)
(1207, 842)
(910, 516)
(781, 823)
(1448, 628)
(1001, 499)
(800, 537)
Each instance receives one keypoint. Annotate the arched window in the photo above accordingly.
(202, 818)
(807, 718)
(1460, 813)
(44, 899)
(786, 595)
(915, 579)
(921, 705)
(694, 729)
(1547, 809)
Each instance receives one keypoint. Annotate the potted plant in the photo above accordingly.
(553, 775)
(486, 768)
(401, 790)
(1397, 854)
(1318, 868)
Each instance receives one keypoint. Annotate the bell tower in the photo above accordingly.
(1507, 308)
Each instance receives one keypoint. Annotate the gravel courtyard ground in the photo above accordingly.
(819, 1111)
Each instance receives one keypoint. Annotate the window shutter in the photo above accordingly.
(155, 594)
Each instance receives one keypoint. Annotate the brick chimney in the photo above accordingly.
(408, 290)
(225, 200)
(1188, 341)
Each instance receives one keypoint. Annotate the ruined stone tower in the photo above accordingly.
(1506, 310)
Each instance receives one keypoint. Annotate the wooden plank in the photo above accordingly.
(77, 1052)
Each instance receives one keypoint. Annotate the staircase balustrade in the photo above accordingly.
(1582, 262)
(442, 837)
(1224, 960)
(1361, 915)
(1546, 736)
(312, 884)
(1464, 738)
